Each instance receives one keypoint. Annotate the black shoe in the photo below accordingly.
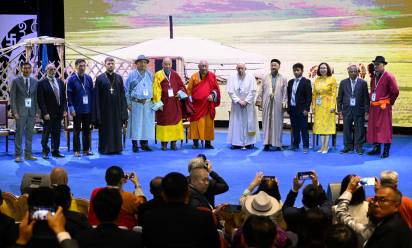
(266, 148)
(209, 146)
(386, 149)
(195, 144)
(233, 147)
(376, 150)
(293, 148)
(88, 153)
(359, 151)
(45, 156)
(146, 148)
(58, 155)
(345, 150)
(278, 149)
(250, 146)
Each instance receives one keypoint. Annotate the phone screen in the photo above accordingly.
(305, 175)
(233, 208)
(367, 181)
(40, 213)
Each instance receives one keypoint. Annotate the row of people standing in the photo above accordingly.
(276, 95)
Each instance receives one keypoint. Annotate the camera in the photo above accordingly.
(269, 178)
(232, 208)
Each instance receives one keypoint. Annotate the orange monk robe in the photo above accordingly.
(202, 125)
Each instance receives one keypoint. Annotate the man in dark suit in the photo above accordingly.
(313, 197)
(107, 204)
(156, 190)
(391, 230)
(23, 102)
(353, 105)
(51, 96)
(299, 100)
(176, 224)
(199, 183)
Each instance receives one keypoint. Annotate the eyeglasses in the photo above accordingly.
(381, 200)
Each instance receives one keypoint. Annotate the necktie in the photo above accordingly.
(56, 90)
(27, 86)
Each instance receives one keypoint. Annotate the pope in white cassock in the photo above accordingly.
(243, 124)
(139, 95)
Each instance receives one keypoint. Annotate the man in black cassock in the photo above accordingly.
(109, 109)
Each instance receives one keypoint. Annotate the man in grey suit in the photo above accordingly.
(23, 101)
(353, 105)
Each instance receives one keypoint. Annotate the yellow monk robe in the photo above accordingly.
(202, 125)
(169, 126)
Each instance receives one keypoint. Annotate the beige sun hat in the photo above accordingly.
(262, 204)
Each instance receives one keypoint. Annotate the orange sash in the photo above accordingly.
(381, 103)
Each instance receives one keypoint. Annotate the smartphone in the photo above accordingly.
(232, 208)
(268, 178)
(203, 156)
(367, 181)
(40, 213)
(304, 175)
(128, 176)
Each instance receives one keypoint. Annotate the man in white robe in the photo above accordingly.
(139, 95)
(243, 124)
(272, 100)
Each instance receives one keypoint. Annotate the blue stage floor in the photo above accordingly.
(238, 167)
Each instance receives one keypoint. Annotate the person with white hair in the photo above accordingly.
(204, 93)
(353, 105)
(243, 124)
(52, 101)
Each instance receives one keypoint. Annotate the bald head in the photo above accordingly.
(51, 70)
(58, 176)
(203, 67)
(199, 179)
(241, 69)
(167, 64)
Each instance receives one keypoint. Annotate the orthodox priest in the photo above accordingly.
(272, 100)
(204, 93)
(139, 102)
(168, 92)
(109, 109)
(243, 124)
(383, 94)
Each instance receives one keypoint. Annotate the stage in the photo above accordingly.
(237, 167)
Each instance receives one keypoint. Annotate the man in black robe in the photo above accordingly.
(109, 109)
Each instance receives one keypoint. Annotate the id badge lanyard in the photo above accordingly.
(85, 96)
(170, 89)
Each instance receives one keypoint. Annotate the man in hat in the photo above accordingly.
(168, 91)
(204, 93)
(109, 109)
(384, 91)
(272, 100)
(139, 92)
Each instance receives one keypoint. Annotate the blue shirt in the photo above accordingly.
(77, 87)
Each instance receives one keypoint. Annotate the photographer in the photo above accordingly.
(217, 185)
(116, 178)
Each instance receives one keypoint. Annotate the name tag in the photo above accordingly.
(85, 100)
(352, 101)
(318, 101)
(145, 92)
(27, 102)
(373, 97)
(170, 93)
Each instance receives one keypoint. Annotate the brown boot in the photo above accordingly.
(173, 145)
(164, 146)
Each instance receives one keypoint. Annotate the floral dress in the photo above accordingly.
(323, 100)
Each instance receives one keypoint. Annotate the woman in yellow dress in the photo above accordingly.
(324, 104)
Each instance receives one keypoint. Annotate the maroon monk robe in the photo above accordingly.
(380, 120)
(200, 94)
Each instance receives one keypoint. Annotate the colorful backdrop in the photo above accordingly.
(336, 31)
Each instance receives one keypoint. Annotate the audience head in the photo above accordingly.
(199, 179)
(259, 231)
(358, 196)
(156, 187)
(62, 196)
(58, 176)
(389, 177)
(175, 188)
(41, 197)
(386, 202)
(315, 225)
(114, 176)
(107, 204)
(312, 196)
(195, 163)
(269, 186)
(341, 236)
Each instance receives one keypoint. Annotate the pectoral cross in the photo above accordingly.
(111, 91)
